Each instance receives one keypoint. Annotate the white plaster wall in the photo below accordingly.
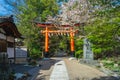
(10, 52)
(21, 52)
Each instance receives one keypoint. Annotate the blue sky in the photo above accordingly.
(3, 10)
(6, 9)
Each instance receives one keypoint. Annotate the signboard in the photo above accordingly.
(10, 39)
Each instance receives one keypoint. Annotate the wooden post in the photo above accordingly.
(72, 42)
(14, 51)
(46, 42)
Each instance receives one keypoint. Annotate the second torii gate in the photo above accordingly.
(47, 32)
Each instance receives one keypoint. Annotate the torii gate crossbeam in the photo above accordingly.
(46, 32)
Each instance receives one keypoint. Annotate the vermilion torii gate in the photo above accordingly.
(47, 32)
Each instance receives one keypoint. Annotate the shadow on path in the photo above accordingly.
(107, 78)
(21, 68)
(46, 66)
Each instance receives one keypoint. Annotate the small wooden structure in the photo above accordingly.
(8, 33)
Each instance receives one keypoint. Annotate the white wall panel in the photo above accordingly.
(10, 52)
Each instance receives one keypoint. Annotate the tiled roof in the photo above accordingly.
(8, 25)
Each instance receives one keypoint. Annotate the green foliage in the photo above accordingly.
(112, 63)
(57, 43)
(78, 48)
(35, 10)
(43, 8)
(101, 30)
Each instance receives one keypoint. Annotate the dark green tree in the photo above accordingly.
(35, 10)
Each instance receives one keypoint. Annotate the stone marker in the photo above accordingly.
(87, 51)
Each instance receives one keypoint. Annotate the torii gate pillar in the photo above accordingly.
(72, 42)
(46, 42)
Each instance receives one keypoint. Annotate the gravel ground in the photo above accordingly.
(79, 71)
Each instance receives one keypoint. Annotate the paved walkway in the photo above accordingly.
(59, 72)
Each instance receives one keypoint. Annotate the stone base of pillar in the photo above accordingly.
(46, 54)
(72, 53)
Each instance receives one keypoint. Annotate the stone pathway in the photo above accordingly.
(59, 72)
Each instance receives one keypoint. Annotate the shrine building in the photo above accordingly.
(8, 34)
